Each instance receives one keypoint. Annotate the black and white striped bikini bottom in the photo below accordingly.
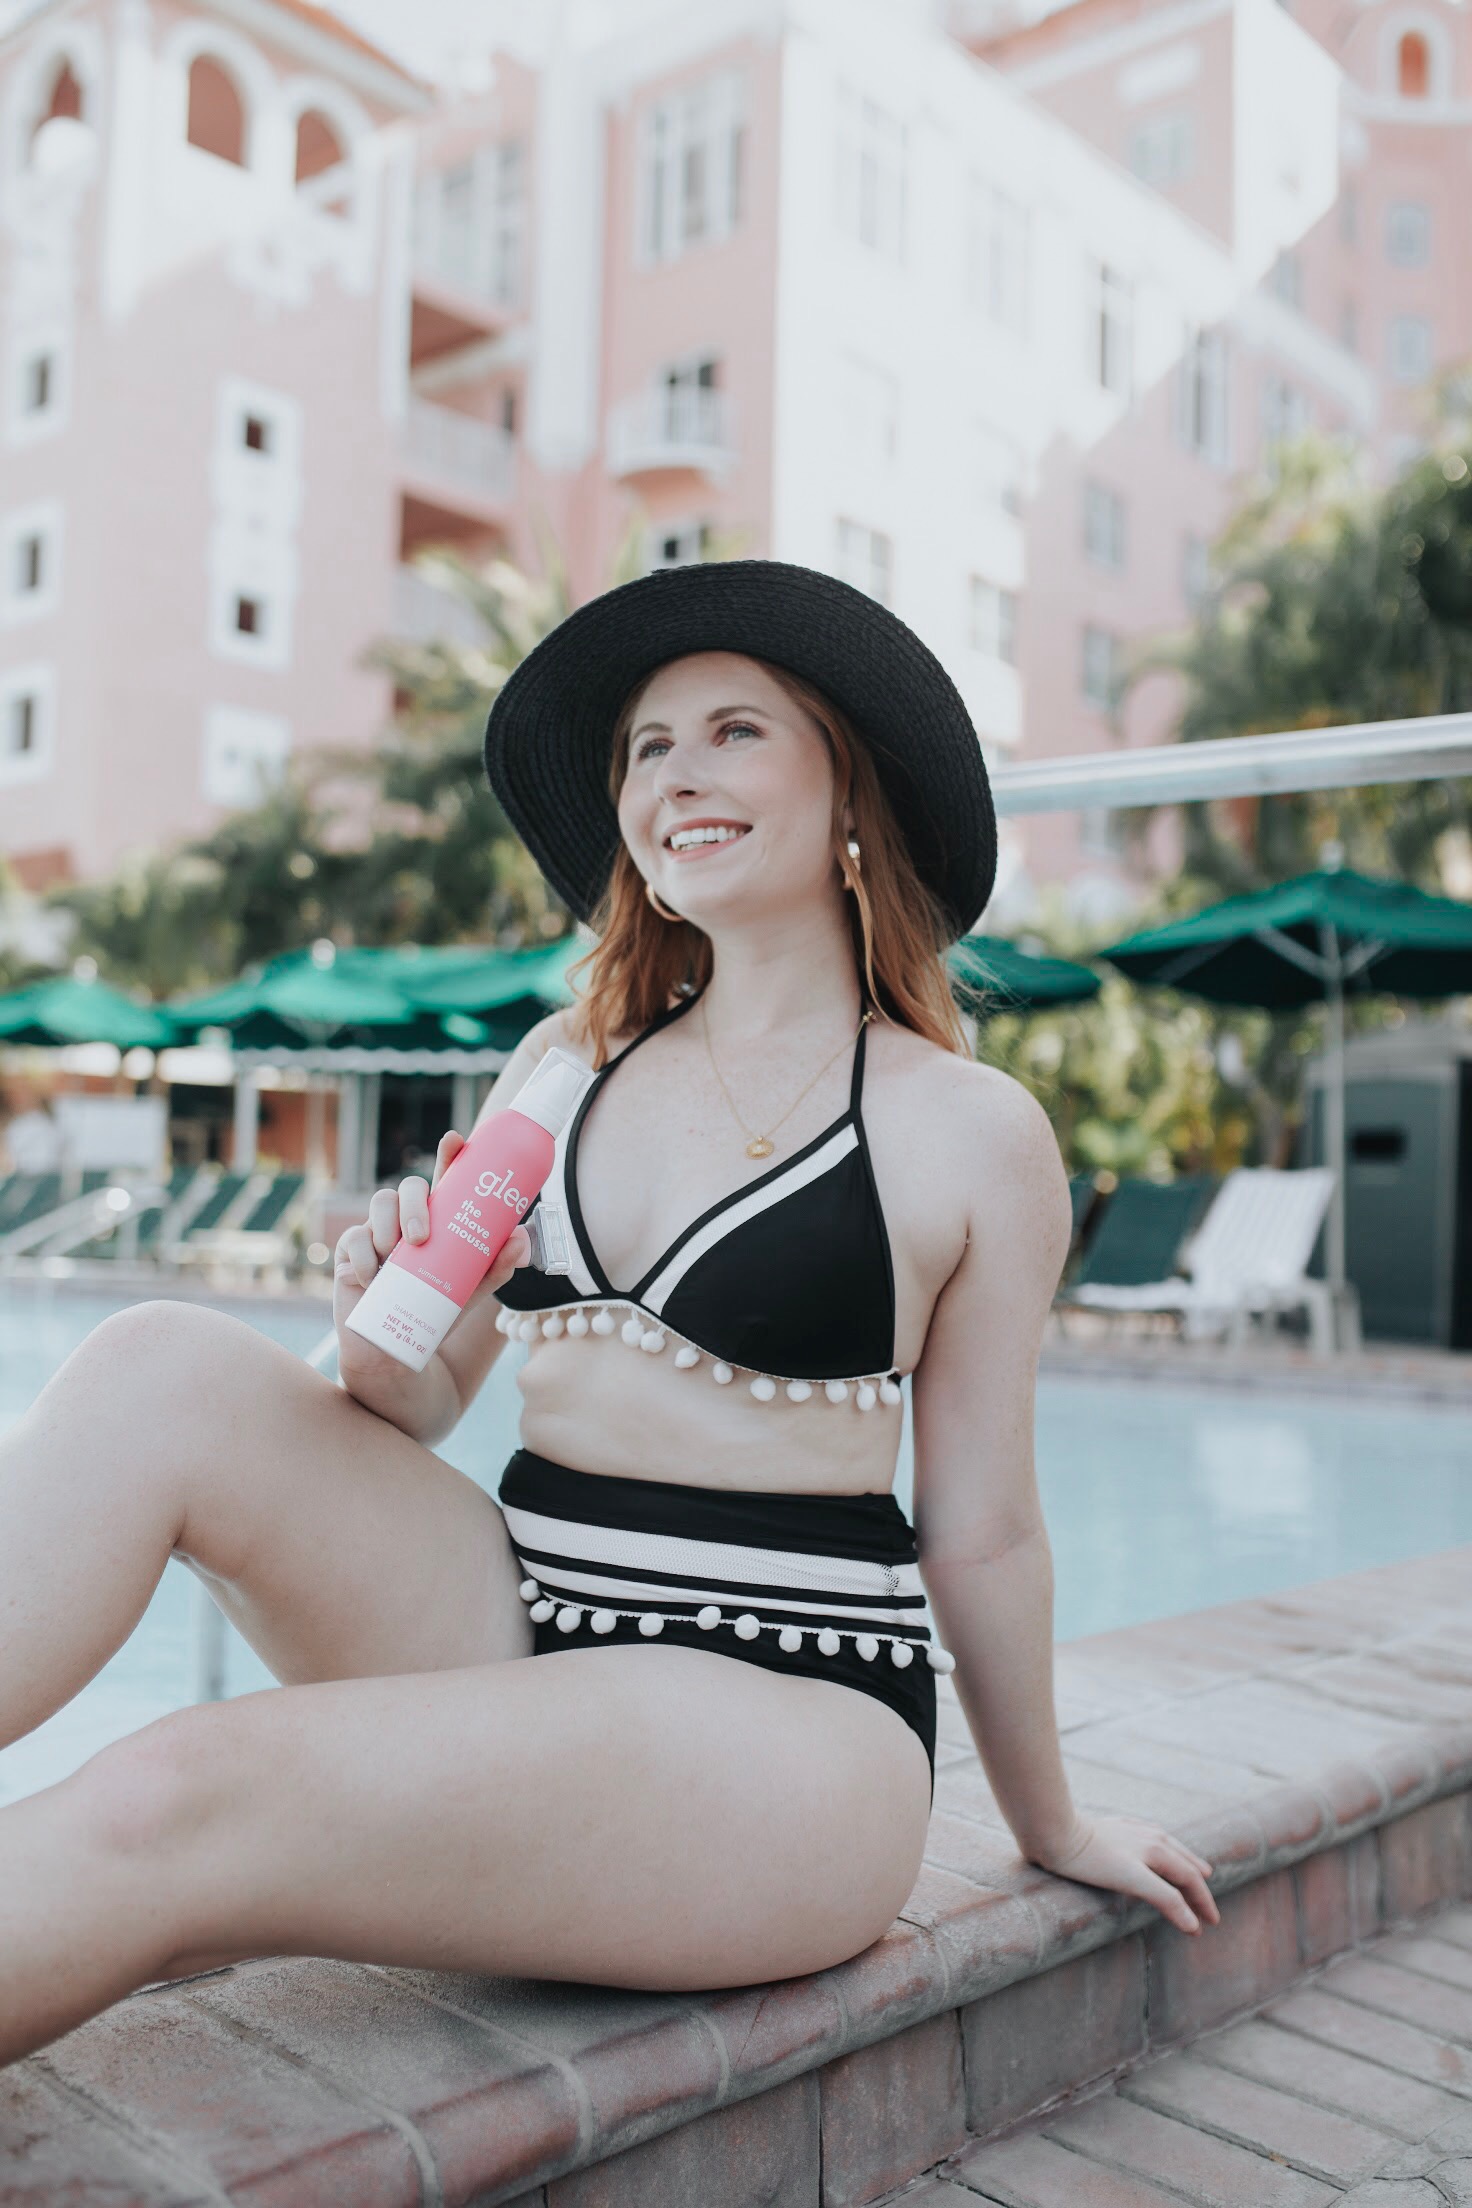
(817, 1586)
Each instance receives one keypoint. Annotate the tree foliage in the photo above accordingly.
(398, 842)
(1333, 601)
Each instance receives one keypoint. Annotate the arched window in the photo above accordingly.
(1413, 66)
(66, 97)
(216, 111)
(318, 146)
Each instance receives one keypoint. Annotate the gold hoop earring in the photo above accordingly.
(663, 910)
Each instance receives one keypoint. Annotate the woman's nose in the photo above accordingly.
(677, 777)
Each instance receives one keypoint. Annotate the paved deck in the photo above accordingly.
(1315, 1745)
(1406, 1372)
(1355, 2088)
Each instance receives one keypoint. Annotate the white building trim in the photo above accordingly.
(44, 519)
(78, 44)
(315, 94)
(1108, 47)
(195, 38)
(257, 500)
(1423, 23)
(374, 80)
(36, 681)
(1265, 323)
(31, 341)
(243, 754)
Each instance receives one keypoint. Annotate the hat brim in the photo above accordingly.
(547, 739)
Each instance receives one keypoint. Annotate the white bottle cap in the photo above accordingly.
(551, 1091)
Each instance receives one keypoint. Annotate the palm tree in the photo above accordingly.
(1332, 601)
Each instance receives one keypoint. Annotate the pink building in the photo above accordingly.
(1382, 274)
(803, 278)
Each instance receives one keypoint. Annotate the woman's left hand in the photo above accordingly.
(1133, 1856)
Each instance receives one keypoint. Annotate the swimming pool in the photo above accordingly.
(1160, 1498)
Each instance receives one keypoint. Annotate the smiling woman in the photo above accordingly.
(785, 750)
(786, 1189)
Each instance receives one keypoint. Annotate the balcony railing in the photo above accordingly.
(461, 455)
(672, 426)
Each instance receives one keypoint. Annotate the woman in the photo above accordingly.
(796, 1188)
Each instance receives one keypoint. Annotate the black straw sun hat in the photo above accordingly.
(548, 738)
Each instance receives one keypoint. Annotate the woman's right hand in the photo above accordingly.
(393, 1213)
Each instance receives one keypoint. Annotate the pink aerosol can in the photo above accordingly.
(421, 1288)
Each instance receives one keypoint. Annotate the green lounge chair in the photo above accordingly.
(1140, 1233)
(37, 1193)
(266, 1215)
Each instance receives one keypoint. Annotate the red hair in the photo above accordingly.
(640, 962)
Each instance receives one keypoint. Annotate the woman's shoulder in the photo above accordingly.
(983, 1131)
(559, 1030)
(957, 1091)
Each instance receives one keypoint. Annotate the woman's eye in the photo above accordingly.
(649, 746)
(739, 728)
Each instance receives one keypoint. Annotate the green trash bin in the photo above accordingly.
(1408, 1180)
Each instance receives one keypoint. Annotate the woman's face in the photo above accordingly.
(727, 801)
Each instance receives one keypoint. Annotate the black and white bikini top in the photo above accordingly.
(787, 1282)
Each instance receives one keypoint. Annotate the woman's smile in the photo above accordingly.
(700, 839)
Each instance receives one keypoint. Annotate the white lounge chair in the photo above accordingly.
(1247, 1258)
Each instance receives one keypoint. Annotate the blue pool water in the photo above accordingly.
(1159, 1499)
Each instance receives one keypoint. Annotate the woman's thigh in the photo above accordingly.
(356, 1551)
(339, 1546)
(656, 1818)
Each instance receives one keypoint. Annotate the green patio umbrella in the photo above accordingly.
(1314, 940)
(309, 996)
(1019, 980)
(65, 1009)
(505, 990)
(486, 980)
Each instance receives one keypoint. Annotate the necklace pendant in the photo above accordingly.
(759, 1147)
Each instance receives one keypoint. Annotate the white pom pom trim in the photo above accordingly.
(642, 1331)
(746, 1626)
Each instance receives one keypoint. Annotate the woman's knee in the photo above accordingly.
(186, 1344)
(190, 1380)
(151, 1798)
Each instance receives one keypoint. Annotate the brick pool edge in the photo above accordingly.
(1316, 1745)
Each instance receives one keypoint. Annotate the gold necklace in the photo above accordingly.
(762, 1146)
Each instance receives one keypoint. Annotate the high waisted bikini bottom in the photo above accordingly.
(817, 1586)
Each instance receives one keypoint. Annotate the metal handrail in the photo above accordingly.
(1428, 749)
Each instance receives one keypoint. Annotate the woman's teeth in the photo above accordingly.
(684, 839)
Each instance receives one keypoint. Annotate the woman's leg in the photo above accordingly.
(657, 1818)
(335, 1543)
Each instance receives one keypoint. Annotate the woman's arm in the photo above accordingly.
(429, 1404)
(984, 1550)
